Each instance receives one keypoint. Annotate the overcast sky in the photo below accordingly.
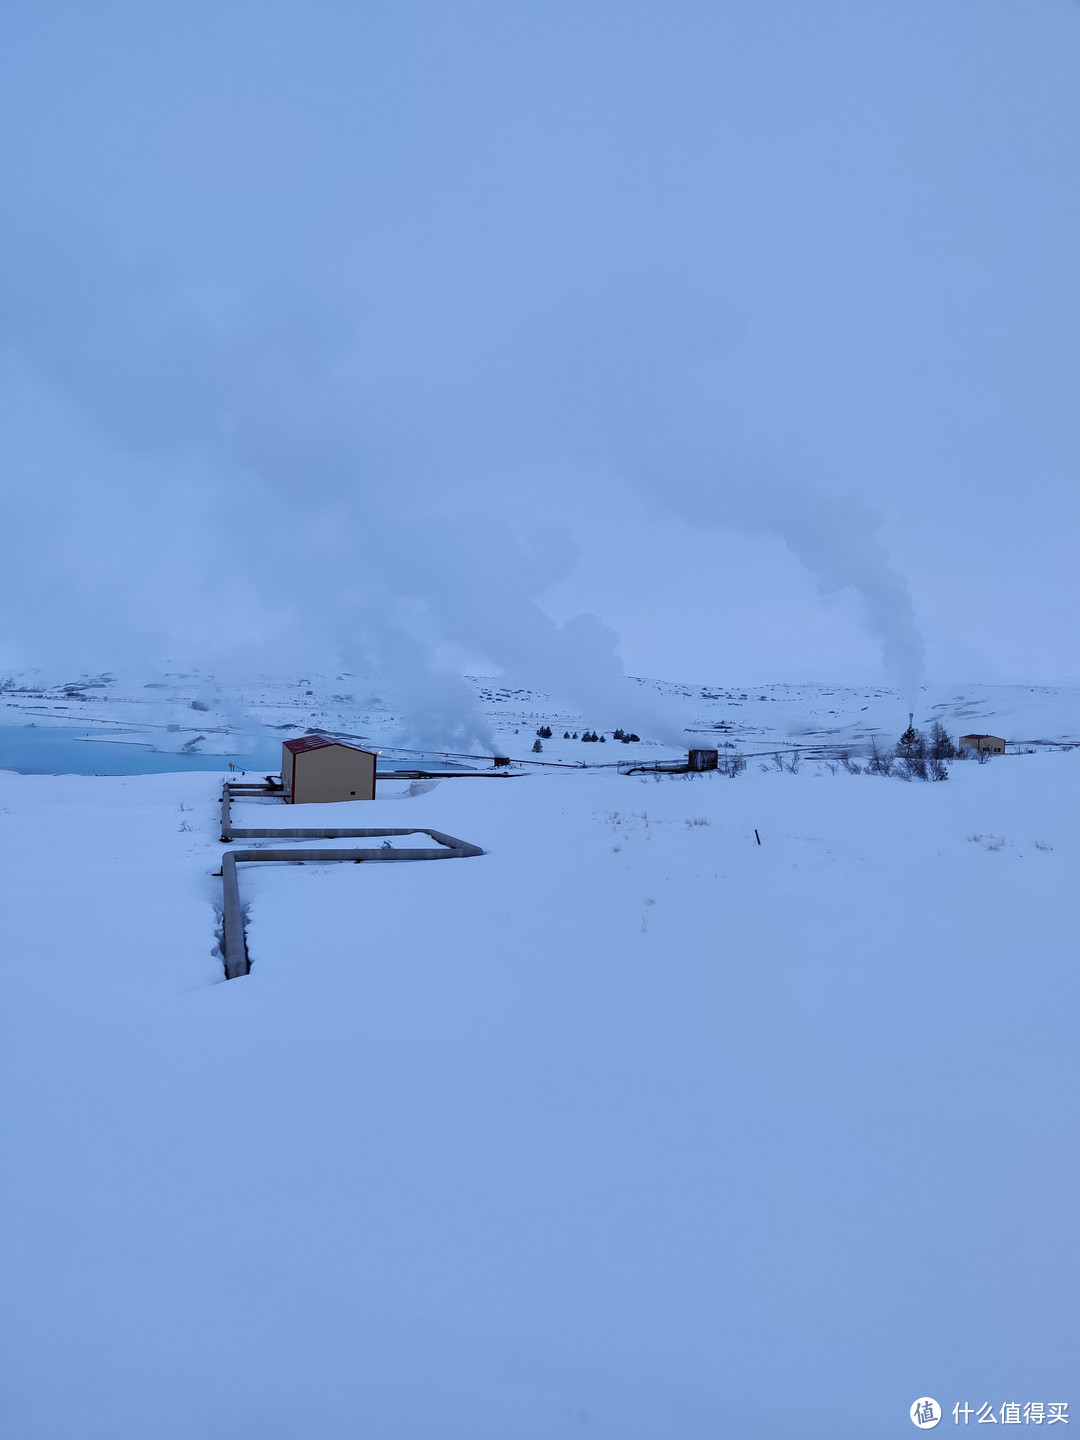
(743, 336)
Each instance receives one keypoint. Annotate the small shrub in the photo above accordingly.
(880, 761)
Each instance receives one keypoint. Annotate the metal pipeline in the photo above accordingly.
(247, 791)
(234, 943)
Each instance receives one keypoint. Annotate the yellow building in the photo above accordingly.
(315, 770)
(985, 744)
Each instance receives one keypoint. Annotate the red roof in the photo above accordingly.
(316, 742)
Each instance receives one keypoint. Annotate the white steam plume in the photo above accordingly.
(254, 493)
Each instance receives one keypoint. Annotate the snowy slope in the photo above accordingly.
(196, 712)
(632, 1127)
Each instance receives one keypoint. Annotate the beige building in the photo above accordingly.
(314, 770)
(987, 744)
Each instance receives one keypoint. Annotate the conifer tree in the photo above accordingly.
(942, 745)
(909, 743)
(911, 752)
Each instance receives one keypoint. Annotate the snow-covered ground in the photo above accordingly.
(631, 1128)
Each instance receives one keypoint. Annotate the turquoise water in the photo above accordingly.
(40, 750)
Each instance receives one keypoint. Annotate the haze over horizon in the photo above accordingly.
(701, 342)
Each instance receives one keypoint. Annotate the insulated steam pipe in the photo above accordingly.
(230, 791)
(234, 944)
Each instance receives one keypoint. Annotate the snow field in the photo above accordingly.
(629, 1128)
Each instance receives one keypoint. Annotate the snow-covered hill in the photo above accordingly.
(196, 713)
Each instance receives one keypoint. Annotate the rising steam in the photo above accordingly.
(258, 490)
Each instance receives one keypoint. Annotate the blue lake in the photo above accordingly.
(41, 750)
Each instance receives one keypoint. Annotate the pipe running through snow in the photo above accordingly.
(233, 937)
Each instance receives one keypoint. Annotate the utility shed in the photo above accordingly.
(988, 744)
(315, 770)
(703, 760)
